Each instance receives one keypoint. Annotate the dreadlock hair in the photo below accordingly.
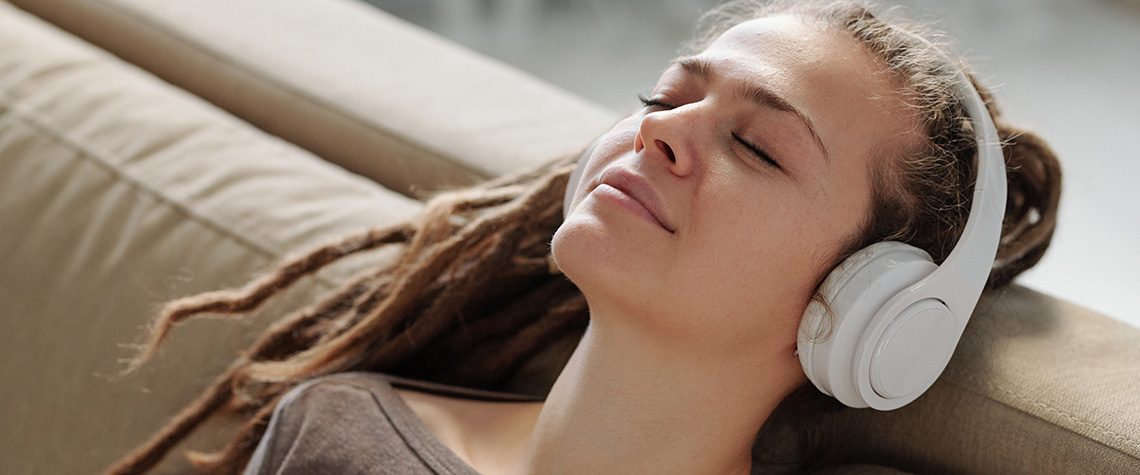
(473, 295)
(474, 278)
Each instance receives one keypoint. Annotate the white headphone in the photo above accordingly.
(897, 316)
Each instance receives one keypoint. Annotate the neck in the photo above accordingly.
(628, 404)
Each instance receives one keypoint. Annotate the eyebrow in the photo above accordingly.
(703, 69)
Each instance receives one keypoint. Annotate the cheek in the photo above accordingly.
(759, 259)
(608, 148)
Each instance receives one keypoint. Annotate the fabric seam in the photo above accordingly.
(150, 24)
(433, 460)
(1126, 440)
(31, 119)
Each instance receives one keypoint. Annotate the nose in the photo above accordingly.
(667, 134)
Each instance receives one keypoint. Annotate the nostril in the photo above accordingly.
(668, 151)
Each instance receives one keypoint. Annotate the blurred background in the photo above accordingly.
(1069, 70)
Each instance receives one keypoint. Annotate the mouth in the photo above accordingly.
(636, 193)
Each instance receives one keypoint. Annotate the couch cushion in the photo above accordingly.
(117, 193)
(344, 79)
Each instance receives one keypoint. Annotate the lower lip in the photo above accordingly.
(626, 201)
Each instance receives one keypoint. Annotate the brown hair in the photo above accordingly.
(474, 277)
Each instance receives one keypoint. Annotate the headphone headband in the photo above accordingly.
(982, 233)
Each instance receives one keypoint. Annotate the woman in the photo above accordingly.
(700, 230)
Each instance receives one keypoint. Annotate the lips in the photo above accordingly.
(638, 188)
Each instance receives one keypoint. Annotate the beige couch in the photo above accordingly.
(176, 146)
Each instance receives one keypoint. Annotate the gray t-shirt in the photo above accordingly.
(356, 423)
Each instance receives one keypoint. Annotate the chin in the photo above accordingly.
(570, 252)
(610, 269)
(591, 256)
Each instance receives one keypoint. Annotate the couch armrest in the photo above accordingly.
(1037, 385)
(345, 80)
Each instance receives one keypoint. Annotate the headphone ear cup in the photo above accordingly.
(575, 178)
(854, 292)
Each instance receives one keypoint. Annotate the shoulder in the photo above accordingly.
(331, 422)
(336, 389)
(336, 406)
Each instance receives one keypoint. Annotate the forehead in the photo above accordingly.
(781, 40)
(788, 48)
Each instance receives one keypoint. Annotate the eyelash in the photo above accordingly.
(647, 102)
(753, 148)
(759, 152)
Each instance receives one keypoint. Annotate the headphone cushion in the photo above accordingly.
(852, 295)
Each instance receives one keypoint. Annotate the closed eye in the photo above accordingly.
(756, 150)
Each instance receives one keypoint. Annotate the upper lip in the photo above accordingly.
(640, 190)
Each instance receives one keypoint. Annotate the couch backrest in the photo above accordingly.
(343, 80)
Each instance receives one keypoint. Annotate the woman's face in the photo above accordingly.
(710, 214)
